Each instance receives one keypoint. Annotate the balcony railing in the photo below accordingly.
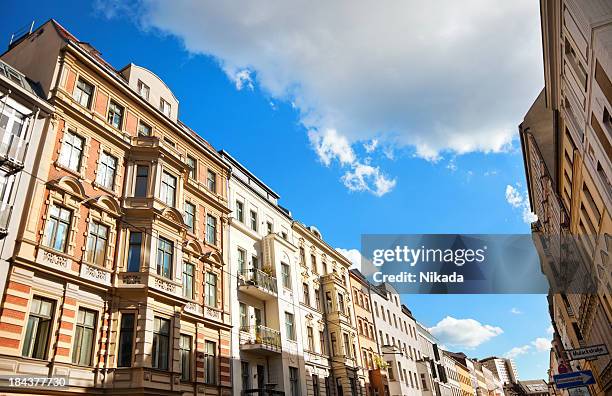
(12, 148)
(260, 335)
(5, 217)
(257, 277)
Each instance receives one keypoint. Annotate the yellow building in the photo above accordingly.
(117, 280)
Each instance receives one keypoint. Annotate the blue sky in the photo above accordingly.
(435, 177)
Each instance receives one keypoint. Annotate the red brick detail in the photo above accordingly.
(66, 325)
(11, 313)
(70, 301)
(20, 287)
(11, 328)
(63, 351)
(9, 343)
(16, 300)
(68, 313)
(70, 80)
(64, 338)
(131, 123)
(101, 102)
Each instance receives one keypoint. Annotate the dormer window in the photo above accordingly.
(165, 107)
(143, 90)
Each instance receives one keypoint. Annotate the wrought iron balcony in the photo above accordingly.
(12, 149)
(260, 338)
(258, 284)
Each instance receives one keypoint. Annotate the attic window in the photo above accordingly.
(143, 90)
(165, 107)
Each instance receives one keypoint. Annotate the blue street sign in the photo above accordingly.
(575, 379)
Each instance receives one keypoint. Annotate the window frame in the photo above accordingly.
(122, 341)
(102, 173)
(185, 356)
(115, 114)
(68, 150)
(189, 278)
(167, 193)
(93, 234)
(34, 349)
(166, 251)
(132, 247)
(211, 229)
(211, 287)
(157, 354)
(78, 347)
(78, 89)
(50, 240)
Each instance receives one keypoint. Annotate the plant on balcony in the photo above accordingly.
(380, 363)
(267, 269)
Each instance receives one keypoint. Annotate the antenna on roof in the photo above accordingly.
(22, 31)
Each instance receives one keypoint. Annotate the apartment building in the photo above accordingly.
(117, 280)
(502, 368)
(452, 377)
(398, 340)
(566, 140)
(493, 384)
(268, 338)
(431, 372)
(374, 366)
(24, 119)
(346, 376)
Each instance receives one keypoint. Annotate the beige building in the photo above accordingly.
(117, 279)
(567, 144)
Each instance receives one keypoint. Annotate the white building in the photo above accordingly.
(398, 337)
(429, 365)
(503, 368)
(24, 118)
(450, 372)
(267, 341)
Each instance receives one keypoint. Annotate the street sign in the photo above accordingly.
(582, 391)
(587, 352)
(562, 369)
(574, 380)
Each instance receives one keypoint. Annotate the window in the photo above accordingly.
(161, 343)
(134, 251)
(143, 90)
(210, 351)
(57, 228)
(11, 121)
(240, 211)
(97, 241)
(189, 215)
(38, 328)
(244, 318)
(211, 290)
(188, 280)
(241, 261)
(193, 167)
(71, 151)
(84, 338)
(168, 188)
(246, 377)
(165, 107)
(142, 181)
(169, 142)
(211, 181)
(165, 254)
(294, 381)
(115, 114)
(341, 302)
(310, 338)
(347, 345)
(302, 256)
(253, 220)
(334, 344)
(286, 275)
(290, 326)
(107, 168)
(317, 294)
(315, 385)
(144, 129)
(269, 228)
(211, 229)
(322, 342)
(83, 92)
(185, 357)
(306, 296)
(313, 262)
(390, 370)
(126, 340)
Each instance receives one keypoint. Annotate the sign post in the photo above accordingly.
(574, 380)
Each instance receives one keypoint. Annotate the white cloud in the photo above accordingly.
(515, 311)
(371, 145)
(452, 166)
(353, 255)
(464, 333)
(520, 201)
(517, 351)
(329, 145)
(364, 177)
(550, 330)
(541, 344)
(426, 75)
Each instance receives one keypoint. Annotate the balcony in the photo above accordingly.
(5, 217)
(261, 339)
(258, 284)
(12, 149)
